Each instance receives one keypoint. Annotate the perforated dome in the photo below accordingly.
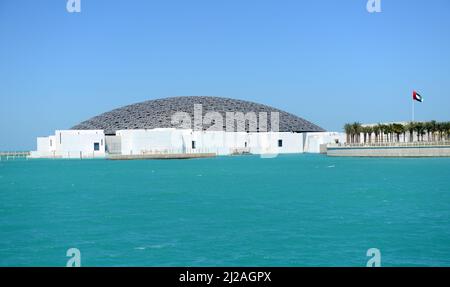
(158, 114)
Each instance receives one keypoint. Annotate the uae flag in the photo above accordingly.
(417, 97)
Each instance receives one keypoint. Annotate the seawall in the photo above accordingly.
(415, 150)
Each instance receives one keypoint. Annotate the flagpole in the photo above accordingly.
(413, 110)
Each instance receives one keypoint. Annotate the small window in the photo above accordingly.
(96, 146)
(51, 143)
(102, 142)
(193, 144)
(245, 144)
(280, 143)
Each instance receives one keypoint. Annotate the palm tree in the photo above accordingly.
(439, 130)
(420, 129)
(443, 129)
(397, 129)
(364, 131)
(411, 127)
(357, 131)
(386, 131)
(435, 131)
(369, 131)
(447, 130)
(381, 129)
(348, 131)
(431, 128)
(376, 130)
(391, 132)
(405, 130)
(427, 129)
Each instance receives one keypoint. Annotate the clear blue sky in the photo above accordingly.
(328, 61)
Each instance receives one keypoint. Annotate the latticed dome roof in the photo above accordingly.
(158, 114)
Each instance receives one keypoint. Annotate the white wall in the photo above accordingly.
(220, 142)
(80, 143)
(43, 144)
(71, 144)
(267, 143)
(256, 143)
(314, 140)
(209, 141)
(151, 141)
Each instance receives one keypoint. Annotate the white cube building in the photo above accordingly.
(71, 144)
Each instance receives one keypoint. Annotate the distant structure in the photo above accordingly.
(216, 125)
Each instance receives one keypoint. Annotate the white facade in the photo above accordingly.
(135, 142)
(46, 145)
(93, 143)
(71, 144)
(313, 141)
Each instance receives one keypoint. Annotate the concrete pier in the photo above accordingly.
(14, 155)
(418, 149)
(161, 156)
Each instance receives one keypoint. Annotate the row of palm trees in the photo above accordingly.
(397, 132)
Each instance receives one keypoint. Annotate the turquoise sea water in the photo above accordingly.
(296, 210)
